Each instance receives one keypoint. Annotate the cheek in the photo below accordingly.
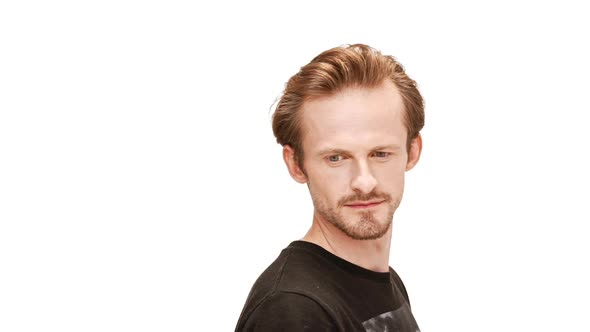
(329, 185)
(391, 180)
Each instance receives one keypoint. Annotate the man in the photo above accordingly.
(349, 123)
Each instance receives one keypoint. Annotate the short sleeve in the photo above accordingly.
(285, 311)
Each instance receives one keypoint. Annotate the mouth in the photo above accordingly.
(363, 205)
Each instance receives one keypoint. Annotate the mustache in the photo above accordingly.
(364, 197)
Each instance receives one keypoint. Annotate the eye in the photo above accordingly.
(381, 154)
(335, 158)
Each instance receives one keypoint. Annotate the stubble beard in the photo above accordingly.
(366, 226)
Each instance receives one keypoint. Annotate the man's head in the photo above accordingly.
(349, 123)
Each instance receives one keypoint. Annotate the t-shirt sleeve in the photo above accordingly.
(284, 311)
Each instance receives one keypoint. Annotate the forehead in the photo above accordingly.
(355, 118)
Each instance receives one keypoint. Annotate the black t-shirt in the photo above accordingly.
(307, 288)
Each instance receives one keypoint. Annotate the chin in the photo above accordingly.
(365, 228)
(358, 225)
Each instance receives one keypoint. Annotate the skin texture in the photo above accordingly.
(354, 145)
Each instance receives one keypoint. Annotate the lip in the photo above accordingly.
(363, 205)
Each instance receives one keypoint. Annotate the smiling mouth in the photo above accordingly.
(363, 205)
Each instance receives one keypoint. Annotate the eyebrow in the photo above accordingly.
(342, 151)
(386, 147)
(332, 151)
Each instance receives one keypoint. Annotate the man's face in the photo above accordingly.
(355, 157)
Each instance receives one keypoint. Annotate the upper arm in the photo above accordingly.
(288, 312)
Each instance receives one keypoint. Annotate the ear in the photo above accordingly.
(414, 153)
(294, 170)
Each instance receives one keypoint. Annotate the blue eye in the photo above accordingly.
(335, 158)
(382, 154)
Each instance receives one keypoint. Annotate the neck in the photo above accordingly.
(370, 254)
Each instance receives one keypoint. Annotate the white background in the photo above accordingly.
(141, 188)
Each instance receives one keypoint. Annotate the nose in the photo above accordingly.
(364, 181)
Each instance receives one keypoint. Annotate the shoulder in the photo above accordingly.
(296, 270)
(287, 311)
(399, 284)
